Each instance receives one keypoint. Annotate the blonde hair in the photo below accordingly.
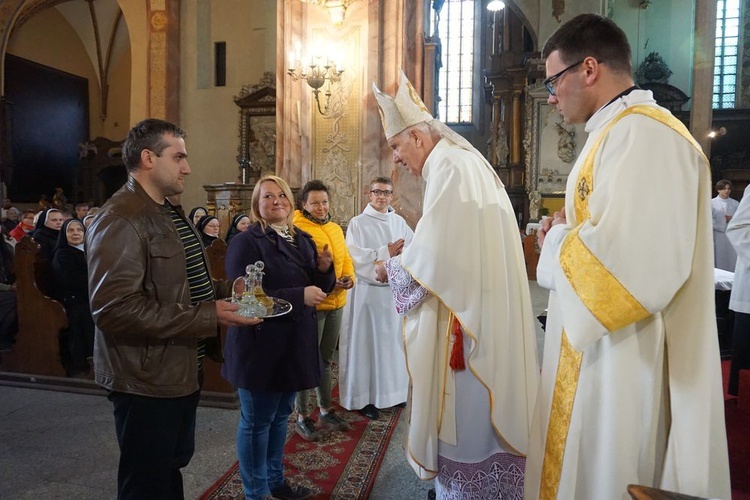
(255, 201)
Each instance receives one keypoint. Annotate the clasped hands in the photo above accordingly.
(394, 248)
(557, 218)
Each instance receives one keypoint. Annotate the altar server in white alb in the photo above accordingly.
(738, 233)
(631, 387)
(372, 367)
(723, 209)
(469, 327)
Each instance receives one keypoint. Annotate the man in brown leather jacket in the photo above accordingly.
(154, 305)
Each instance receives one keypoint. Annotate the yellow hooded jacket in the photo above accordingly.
(332, 235)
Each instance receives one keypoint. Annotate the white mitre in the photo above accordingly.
(407, 109)
(402, 111)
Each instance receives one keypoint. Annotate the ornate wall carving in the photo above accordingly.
(338, 135)
(551, 147)
(256, 152)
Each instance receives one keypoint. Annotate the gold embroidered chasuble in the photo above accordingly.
(631, 387)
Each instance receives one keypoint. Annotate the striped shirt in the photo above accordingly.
(201, 289)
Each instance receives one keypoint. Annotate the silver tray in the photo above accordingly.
(280, 307)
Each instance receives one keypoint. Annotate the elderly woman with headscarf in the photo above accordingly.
(196, 214)
(46, 232)
(240, 223)
(208, 227)
(70, 274)
(270, 362)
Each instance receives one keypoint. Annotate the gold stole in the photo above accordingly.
(602, 294)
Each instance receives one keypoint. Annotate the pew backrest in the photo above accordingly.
(40, 319)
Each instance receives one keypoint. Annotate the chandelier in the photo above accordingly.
(318, 75)
(336, 8)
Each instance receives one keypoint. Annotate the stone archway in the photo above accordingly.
(155, 27)
(155, 74)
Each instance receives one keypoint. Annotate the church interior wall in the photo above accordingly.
(48, 39)
(554, 13)
(134, 13)
(251, 31)
(208, 113)
(662, 28)
(117, 122)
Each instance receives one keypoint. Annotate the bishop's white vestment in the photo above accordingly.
(631, 387)
(467, 427)
(372, 366)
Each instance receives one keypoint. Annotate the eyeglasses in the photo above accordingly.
(551, 80)
(381, 192)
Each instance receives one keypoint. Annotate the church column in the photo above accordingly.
(516, 138)
(164, 59)
(701, 110)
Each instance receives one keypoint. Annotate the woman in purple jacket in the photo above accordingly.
(270, 362)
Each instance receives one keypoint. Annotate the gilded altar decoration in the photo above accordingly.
(256, 153)
(566, 144)
(558, 9)
(158, 20)
(551, 146)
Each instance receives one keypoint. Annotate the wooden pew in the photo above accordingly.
(217, 253)
(35, 359)
(640, 492)
(213, 382)
(40, 319)
(531, 254)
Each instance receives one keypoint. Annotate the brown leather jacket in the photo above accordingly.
(146, 328)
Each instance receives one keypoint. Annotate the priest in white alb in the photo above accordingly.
(469, 329)
(631, 382)
(372, 367)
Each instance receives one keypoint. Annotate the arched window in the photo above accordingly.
(727, 43)
(455, 27)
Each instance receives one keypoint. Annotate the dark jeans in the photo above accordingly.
(740, 350)
(156, 438)
(8, 317)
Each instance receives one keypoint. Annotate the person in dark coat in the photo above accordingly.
(240, 223)
(270, 362)
(208, 227)
(8, 302)
(46, 232)
(70, 275)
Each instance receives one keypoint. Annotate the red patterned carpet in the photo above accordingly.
(738, 437)
(342, 465)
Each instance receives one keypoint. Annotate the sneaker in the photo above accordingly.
(289, 492)
(306, 429)
(333, 422)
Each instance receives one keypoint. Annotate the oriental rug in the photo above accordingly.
(738, 437)
(341, 465)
